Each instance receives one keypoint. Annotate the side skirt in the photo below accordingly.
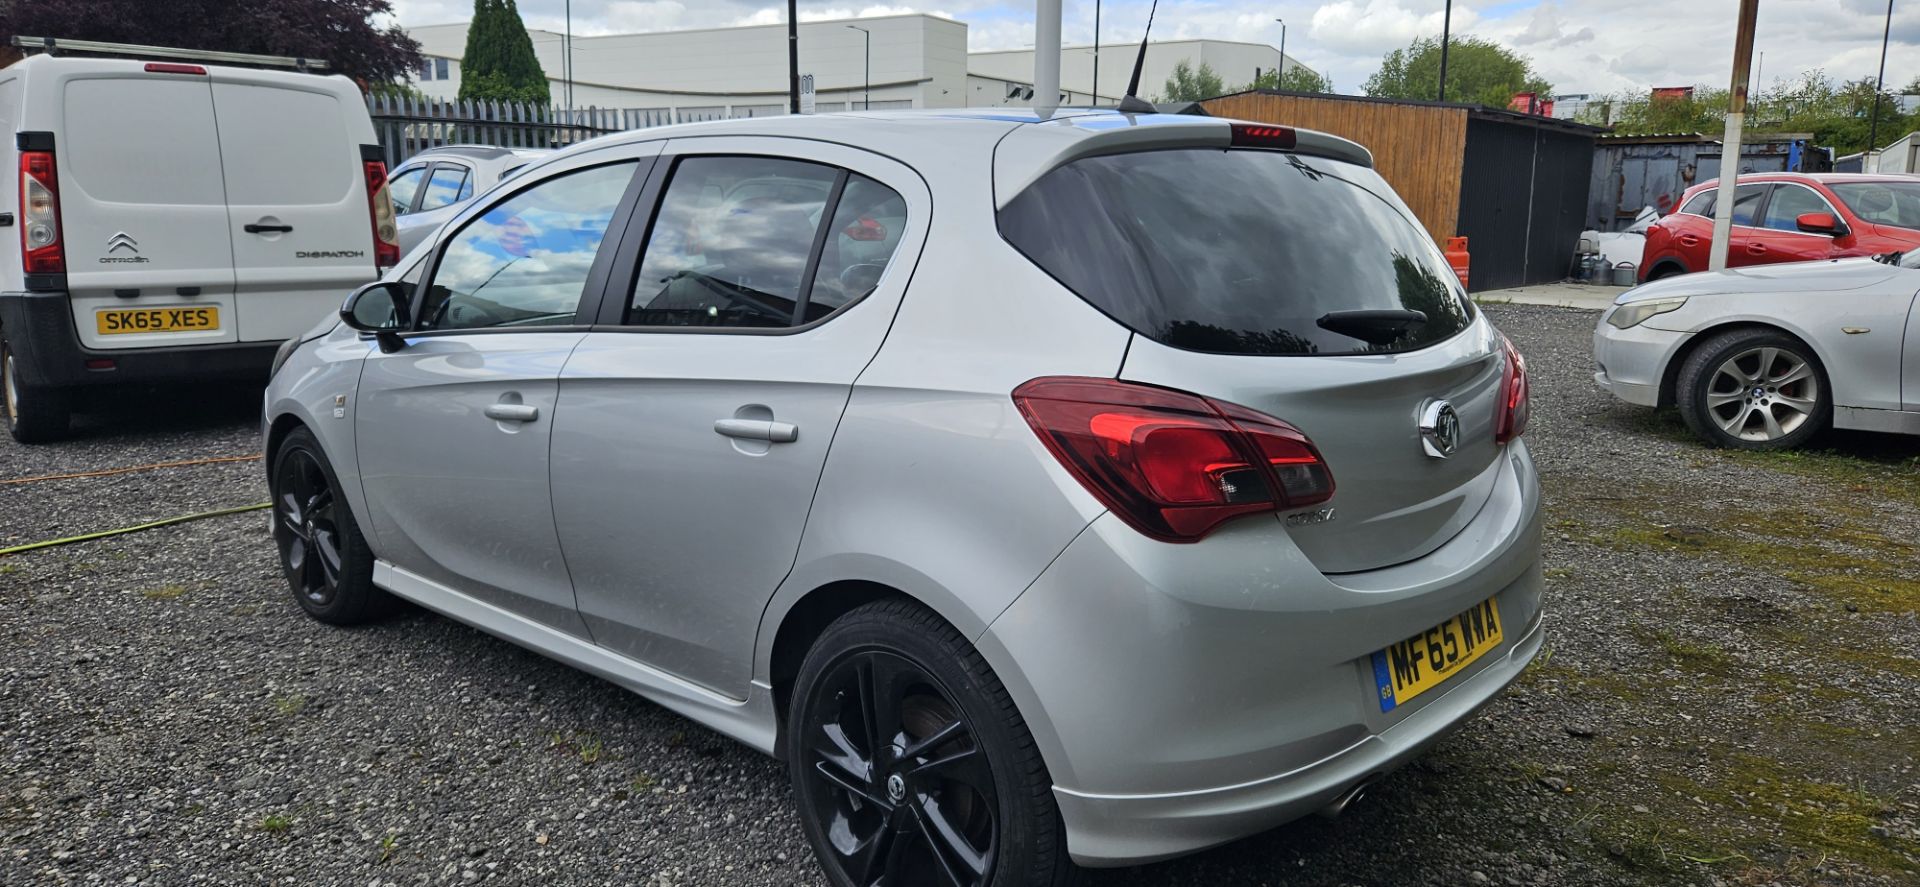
(751, 721)
(1890, 421)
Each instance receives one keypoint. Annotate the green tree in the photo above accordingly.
(1838, 114)
(1189, 85)
(499, 64)
(1296, 79)
(1478, 70)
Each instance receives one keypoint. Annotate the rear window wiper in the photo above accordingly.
(1374, 327)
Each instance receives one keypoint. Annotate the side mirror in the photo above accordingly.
(382, 308)
(1820, 223)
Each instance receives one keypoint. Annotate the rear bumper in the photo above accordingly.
(1185, 696)
(47, 349)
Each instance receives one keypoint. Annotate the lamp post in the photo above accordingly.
(1280, 76)
(1879, 85)
(793, 58)
(866, 101)
(1446, 30)
(1095, 100)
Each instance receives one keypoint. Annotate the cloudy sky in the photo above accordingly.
(1580, 45)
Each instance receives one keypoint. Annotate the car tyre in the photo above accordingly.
(911, 764)
(323, 556)
(1754, 389)
(35, 413)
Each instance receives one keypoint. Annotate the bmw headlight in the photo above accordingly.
(1634, 314)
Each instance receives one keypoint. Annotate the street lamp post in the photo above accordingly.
(1280, 76)
(1446, 30)
(866, 100)
(1879, 84)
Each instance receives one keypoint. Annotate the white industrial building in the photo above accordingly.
(915, 61)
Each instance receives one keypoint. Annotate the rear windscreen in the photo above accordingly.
(1236, 252)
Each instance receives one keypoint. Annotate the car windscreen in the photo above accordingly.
(1237, 251)
(1882, 203)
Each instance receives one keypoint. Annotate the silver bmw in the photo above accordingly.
(1767, 357)
(1085, 490)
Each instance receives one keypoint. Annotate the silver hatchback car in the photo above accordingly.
(1088, 489)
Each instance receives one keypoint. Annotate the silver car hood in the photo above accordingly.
(1833, 275)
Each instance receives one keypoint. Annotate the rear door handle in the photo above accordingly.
(513, 412)
(252, 228)
(1756, 249)
(1689, 240)
(758, 429)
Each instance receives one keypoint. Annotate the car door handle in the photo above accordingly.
(758, 429)
(1688, 240)
(1756, 249)
(252, 228)
(513, 412)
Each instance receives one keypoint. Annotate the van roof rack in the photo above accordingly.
(52, 46)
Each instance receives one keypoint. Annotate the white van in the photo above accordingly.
(176, 221)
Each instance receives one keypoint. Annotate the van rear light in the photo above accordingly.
(40, 214)
(172, 68)
(1253, 135)
(1510, 416)
(386, 231)
(1173, 465)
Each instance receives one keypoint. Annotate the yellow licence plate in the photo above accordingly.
(1426, 660)
(116, 321)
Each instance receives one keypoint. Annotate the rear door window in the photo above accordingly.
(1701, 204)
(1746, 204)
(444, 187)
(1236, 251)
(730, 244)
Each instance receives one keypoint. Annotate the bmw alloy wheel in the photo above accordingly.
(1762, 394)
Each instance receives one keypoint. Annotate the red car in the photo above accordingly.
(1789, 217)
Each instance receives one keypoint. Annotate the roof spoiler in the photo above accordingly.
(1032, 151)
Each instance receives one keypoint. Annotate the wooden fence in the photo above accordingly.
(406, 126)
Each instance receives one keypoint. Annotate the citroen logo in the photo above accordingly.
(122, 240)
(1439, 429)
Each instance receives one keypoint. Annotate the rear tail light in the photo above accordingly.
(40, 214)
(1510, 416)
(386, 231)
(1173, 465)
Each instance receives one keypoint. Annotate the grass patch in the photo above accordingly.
(165, 593)
(275, 823)
(289, 705)
(587, 747)
(1696, 655)
(388, 845)
(642, 783)
(9, 569)
(1810, 818)
(1832, 551)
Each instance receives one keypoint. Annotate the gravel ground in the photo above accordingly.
(1725, 696)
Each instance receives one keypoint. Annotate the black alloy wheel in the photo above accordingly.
(911, 764)
(898, 780)
(326, 561)
(307, 528)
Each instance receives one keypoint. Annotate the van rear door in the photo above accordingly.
(142, 207)
(296, 196)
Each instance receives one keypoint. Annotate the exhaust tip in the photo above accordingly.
(1346, 799)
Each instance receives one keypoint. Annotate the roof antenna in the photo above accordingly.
(1132, 103)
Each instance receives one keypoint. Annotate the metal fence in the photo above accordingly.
(406, 126)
